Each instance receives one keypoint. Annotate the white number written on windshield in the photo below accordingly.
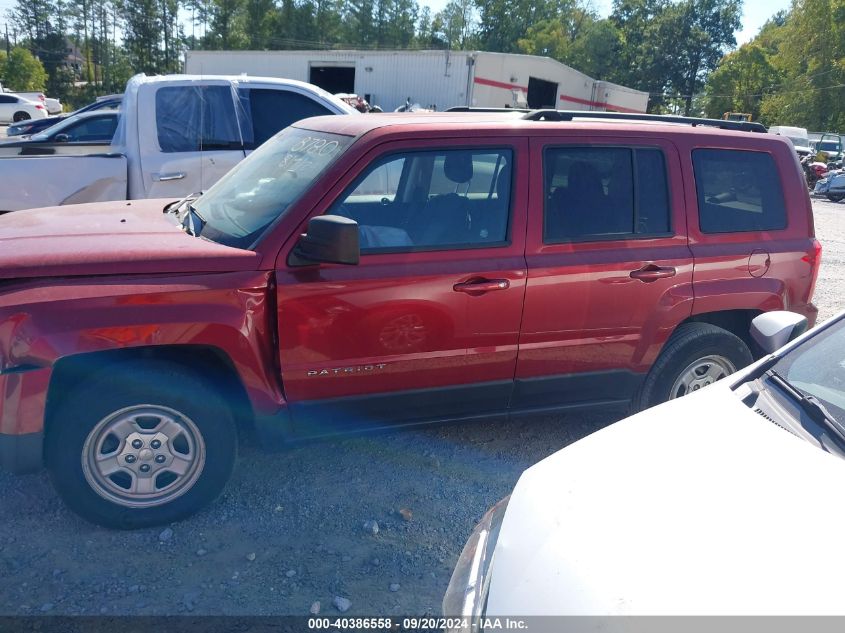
(302, 155)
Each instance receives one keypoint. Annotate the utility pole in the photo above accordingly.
(8, 43)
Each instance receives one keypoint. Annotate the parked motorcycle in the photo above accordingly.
(813, 170)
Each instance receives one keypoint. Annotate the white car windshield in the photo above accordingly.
(817, 368)
(237, 209)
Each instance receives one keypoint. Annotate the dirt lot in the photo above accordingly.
(289, 530)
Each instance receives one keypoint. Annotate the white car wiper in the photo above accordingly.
(176, 207)
(810, 404)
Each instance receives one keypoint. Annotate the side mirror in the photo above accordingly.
(61, 138)
(773, 330)
(330, 238)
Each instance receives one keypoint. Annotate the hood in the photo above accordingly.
(108, 238)
(696, 507)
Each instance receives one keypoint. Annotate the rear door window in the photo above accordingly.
(595, 193)
(738, 191)
(196, 118)
(267, 111)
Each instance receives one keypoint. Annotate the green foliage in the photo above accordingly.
(677, 50)
(793, 72)
(670, 47)
(583, 42)
(740, 81)
(21, 71)
(502, 23)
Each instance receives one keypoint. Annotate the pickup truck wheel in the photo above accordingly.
(836, 197)
(20, 116)
(149, 444)
(696, 355)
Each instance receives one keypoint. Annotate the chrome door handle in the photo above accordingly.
(173, 175)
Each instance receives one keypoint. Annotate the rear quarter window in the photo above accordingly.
(268, 111)
(738, 191)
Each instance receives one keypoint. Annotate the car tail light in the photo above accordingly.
(38, 106)
(814, 258)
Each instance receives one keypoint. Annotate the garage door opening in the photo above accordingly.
(333, 79)
(541, 93)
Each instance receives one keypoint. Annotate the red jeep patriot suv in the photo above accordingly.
(387, 270)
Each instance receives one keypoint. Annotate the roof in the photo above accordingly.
(500, 121)
(141, 78)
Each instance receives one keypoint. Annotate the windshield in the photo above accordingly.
(828, 146)
(817, 368)
(261, 189)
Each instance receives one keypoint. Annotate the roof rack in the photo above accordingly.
(569, 115)
(482, 109)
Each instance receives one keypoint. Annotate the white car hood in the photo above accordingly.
(699, 506)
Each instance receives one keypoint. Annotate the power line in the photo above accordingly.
(761, 94)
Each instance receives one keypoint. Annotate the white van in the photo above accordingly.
(798, 135)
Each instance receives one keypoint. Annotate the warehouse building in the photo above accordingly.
(435, 79)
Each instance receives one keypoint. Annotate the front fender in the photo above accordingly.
(44, 321)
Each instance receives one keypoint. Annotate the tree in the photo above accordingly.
(225, 31)
(502, 23)
(672, 46)
(21, 71)
(457, 22)
(258, 23)
(591, 46)
(811, 54)
(642, 55)
(740, 82)
(698, 33)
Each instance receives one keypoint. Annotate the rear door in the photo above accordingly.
(609, 268)
(196, 138)
(426, 326)
(752, 236)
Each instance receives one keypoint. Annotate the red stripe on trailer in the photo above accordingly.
(593, 104)
(598, 104)
(499, 84)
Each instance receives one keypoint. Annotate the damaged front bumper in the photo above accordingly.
(23, 400)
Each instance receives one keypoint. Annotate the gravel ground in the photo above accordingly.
(296, 528)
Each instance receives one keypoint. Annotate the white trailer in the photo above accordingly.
(436, 79)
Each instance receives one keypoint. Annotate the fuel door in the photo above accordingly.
(759, 262)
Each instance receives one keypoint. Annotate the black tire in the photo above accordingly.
(21, 116)
(835, 197)
(131, 387)
(690, 343)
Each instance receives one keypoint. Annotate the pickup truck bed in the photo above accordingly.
(84, 179)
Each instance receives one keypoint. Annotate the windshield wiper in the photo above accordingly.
(176, 207)
(810, 404)
(193, 222)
